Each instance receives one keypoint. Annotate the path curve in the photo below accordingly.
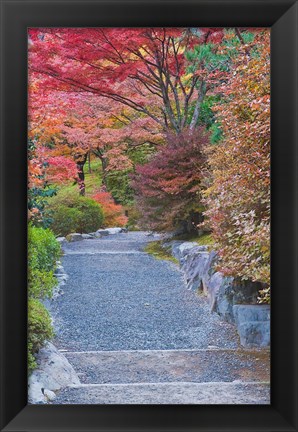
(118, 297)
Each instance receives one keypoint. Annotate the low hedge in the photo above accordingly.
(39, 329)
(74, 213)
(43, 253)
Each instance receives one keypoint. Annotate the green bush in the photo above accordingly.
(43, 252)
(65, 220)
(43, 248)
(91, 215)
(71, 212)
(39, 329)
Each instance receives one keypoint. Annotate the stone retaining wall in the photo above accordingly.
(233, 300)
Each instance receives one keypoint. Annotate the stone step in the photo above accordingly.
(167, 393)
(166, 366)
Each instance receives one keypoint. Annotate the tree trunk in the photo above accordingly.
(81, 174)
(198, 105)
(104, 165)
(89, 162)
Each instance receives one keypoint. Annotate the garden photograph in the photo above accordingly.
(148, 216)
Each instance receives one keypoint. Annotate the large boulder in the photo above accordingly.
(185, 248)
(87, 236)
(115, 230)
(61, 240)
(180, 249)
(59, 269)
(245, 292)
(231, 292)
(95, 235)
(173, 247)
(194, 268)
(73, 237)
(220, 296)
(253, 324)
(53, 373)
(111, 231)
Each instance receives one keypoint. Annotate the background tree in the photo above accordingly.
(168, 187)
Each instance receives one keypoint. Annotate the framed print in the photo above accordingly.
(144, 119)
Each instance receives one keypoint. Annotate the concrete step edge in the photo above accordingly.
(236, 350)
(174, 383)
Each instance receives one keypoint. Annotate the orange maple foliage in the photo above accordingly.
(113, 213)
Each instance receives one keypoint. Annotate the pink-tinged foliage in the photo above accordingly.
(168, 187)
(238, 198)
(61, 170)
(113, 213)
(133, 66)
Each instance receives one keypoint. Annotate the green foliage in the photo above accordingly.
(41, 283)
(248, 37)
(207, 116)
(156, 249)
(216, 132)
(39, 329)
(65, 220)
(38, 192)
(93, 180)
(133, 218)
(43, 252)
(205, 55)
(74, 213)
(118, 184)
(203, 240)
(90, 214)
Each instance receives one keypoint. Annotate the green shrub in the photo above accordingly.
(39, 329)
(91, 215)
(65, 220)
(41, 283)
(71, 212)
(43, 252)
(43, 248)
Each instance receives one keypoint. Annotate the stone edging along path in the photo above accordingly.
(233, 301)
(145, 338)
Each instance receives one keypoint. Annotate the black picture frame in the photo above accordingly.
(16, 17)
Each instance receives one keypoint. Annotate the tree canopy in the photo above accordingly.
(178, 120)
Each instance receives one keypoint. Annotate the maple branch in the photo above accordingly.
(110, 43)
(238, 33)
(113, 96)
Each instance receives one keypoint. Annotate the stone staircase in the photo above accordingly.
(203, 376)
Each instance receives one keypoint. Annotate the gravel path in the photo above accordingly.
(118, 297)
(135, 335)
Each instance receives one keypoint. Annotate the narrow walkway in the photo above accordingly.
(135, 334)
